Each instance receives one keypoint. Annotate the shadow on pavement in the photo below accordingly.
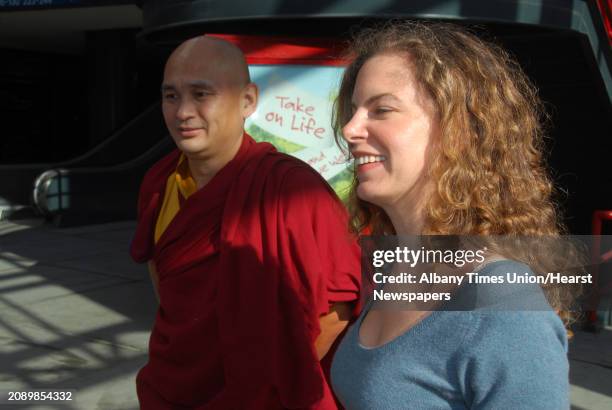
(75, 313)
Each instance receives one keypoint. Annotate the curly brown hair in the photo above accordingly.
(488, 169)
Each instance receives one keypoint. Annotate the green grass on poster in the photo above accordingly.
(281, 144)
(341, 183)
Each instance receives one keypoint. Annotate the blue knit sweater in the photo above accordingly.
(479, 359)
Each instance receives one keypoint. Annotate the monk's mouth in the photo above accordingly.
(189, 132)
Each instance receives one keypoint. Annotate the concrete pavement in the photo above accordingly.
(75, 313)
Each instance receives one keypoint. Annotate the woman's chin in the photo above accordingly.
(365, 193)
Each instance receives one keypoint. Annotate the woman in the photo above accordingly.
(446, 136)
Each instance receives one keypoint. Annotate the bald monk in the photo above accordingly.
(247, 248)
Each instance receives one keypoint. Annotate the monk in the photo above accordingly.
(248, 251)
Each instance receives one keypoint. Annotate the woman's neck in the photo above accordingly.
(407, 213)
(406, 220)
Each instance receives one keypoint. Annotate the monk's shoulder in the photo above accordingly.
(158, 173)
(293, 174)
(299, 186)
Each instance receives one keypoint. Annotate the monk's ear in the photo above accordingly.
(250, 95)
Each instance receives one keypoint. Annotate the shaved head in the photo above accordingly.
(206, 97)
(223, 55)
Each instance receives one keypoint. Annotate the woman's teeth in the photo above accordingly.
(369, 158)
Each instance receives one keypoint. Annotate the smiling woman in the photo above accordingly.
(392, 119)
(446, 136)
(442, 87)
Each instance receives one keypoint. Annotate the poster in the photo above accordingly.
(294, 114)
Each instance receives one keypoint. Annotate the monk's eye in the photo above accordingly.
(201, 94)
(169, 96)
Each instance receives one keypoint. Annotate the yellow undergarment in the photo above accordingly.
(180, 182)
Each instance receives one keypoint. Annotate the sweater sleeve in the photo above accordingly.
(517, 360)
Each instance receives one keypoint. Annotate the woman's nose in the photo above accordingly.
(355, 129)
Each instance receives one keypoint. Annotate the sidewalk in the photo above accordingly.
(75, 314)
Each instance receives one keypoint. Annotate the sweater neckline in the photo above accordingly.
(416, 328)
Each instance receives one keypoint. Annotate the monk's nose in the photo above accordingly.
(185, 110)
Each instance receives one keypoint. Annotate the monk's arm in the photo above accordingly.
(154, 278)
(332, 324)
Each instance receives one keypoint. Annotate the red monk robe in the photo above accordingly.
(246, 268)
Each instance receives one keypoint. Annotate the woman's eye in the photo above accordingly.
(169, 96)
(382, 110)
